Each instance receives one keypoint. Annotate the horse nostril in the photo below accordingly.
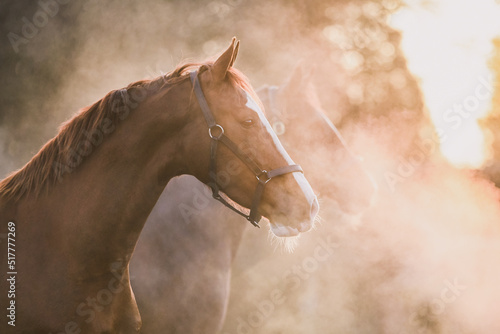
(314, 208)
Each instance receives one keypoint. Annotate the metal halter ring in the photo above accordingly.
(221, 129)
(264, 172)
(279, 128)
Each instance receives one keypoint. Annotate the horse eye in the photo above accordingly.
(248, 123)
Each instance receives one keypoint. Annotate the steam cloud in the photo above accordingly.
(422, 260)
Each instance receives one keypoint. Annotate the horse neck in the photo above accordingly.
(103, 203)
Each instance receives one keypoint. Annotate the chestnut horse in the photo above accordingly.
(77, 208)
(181, 277)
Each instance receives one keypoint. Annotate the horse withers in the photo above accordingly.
(80, 203)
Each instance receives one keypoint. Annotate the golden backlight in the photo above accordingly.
(448, 44)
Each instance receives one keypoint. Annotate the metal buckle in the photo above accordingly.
(221, 129)
(264, 172)
(279, 128)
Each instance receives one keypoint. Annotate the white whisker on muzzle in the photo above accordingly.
(283, 244)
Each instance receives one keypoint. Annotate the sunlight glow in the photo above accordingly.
(448, 44)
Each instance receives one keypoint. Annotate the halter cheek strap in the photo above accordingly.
(216, 133)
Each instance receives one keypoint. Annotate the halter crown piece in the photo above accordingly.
(216, 133)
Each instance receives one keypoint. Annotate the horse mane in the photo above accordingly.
(53, 160)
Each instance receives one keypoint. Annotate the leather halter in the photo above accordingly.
(216, 133)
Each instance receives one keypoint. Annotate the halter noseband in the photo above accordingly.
(216, 133)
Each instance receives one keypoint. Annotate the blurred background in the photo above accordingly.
(413, 86)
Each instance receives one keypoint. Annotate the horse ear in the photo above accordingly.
(225, 61)
(235, 53)
(295, 80)
(300, 78)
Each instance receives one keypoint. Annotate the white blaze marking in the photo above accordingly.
(299, 177)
